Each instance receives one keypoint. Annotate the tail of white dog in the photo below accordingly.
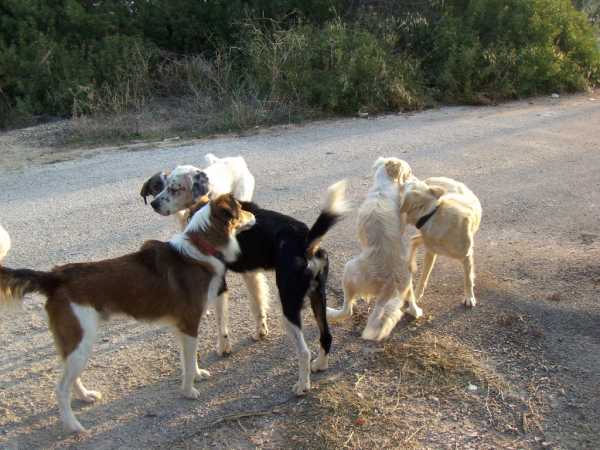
(4, 243)
(334, 208)
(210, 158)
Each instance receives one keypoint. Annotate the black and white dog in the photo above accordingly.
(281, 243)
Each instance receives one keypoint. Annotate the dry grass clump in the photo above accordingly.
(407, 390)
(437, 364)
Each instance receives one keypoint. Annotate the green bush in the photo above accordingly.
(64, 57)
(337, 68)
(511, 48)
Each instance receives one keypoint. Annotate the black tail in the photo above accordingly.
(15, 283)
(332, 212)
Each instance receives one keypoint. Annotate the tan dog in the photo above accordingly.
(447, 214)
(381, 271)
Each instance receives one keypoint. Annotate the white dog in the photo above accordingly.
(4, 243)
(381, 271)
(172, 191)
(176, 192)
(447, 214)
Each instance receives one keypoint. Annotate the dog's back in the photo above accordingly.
(457, 192)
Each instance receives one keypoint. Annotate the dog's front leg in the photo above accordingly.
(222, 313)
(256, 282)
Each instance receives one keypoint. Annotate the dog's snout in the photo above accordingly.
(155, 203)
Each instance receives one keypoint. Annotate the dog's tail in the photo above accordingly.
(334, 208)
(16, 283)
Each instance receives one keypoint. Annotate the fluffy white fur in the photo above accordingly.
(4, 243)
(450, 231)
(225, 175)
(381, 270)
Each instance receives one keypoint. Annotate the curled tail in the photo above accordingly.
(334, 208)
(15, 283)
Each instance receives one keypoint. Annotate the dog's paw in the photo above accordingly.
(370, 334)
(201, 373)
(262, 331)
(336, 315)
(91, 396)
(469, 302)
(414, 311)
(191, 393)
(301, 387)
(320, 363)
(224, 346)
(74, 426)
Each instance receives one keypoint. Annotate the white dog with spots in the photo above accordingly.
(177, 192)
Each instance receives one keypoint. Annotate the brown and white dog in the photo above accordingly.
(381, 271)
(172, 192)
(447, 214)
(169, 282)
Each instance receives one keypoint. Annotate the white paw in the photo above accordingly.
(301, 387)
(224, 346)
(192, 394)
(415, 311)
(336, 315)
(91, 396)
(370, 334)
(262, 330)
(319, 363)
(469, 302)
(74, 427)
(201, 373)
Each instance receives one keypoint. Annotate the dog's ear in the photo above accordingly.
(406, 172)
(153, 186)
(200, 185)
(437, 191)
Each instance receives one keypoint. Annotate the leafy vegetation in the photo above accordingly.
(238, 63)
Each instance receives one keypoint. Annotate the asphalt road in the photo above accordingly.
(535, 166)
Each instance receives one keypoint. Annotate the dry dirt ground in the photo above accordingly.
(521, 370)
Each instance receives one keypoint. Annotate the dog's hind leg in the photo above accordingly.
(189, 362)
(75, 361)
(469, 280)
(293, 327)
(351, 280)
(256, 282)
(428, 262)
(375, 322)
(318, 303)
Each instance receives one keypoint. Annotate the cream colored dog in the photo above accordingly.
(447, 214)
(381, 271)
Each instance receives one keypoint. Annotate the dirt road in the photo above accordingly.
(521, 370)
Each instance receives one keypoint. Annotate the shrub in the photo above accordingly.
(511, 48)
(337, 68)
